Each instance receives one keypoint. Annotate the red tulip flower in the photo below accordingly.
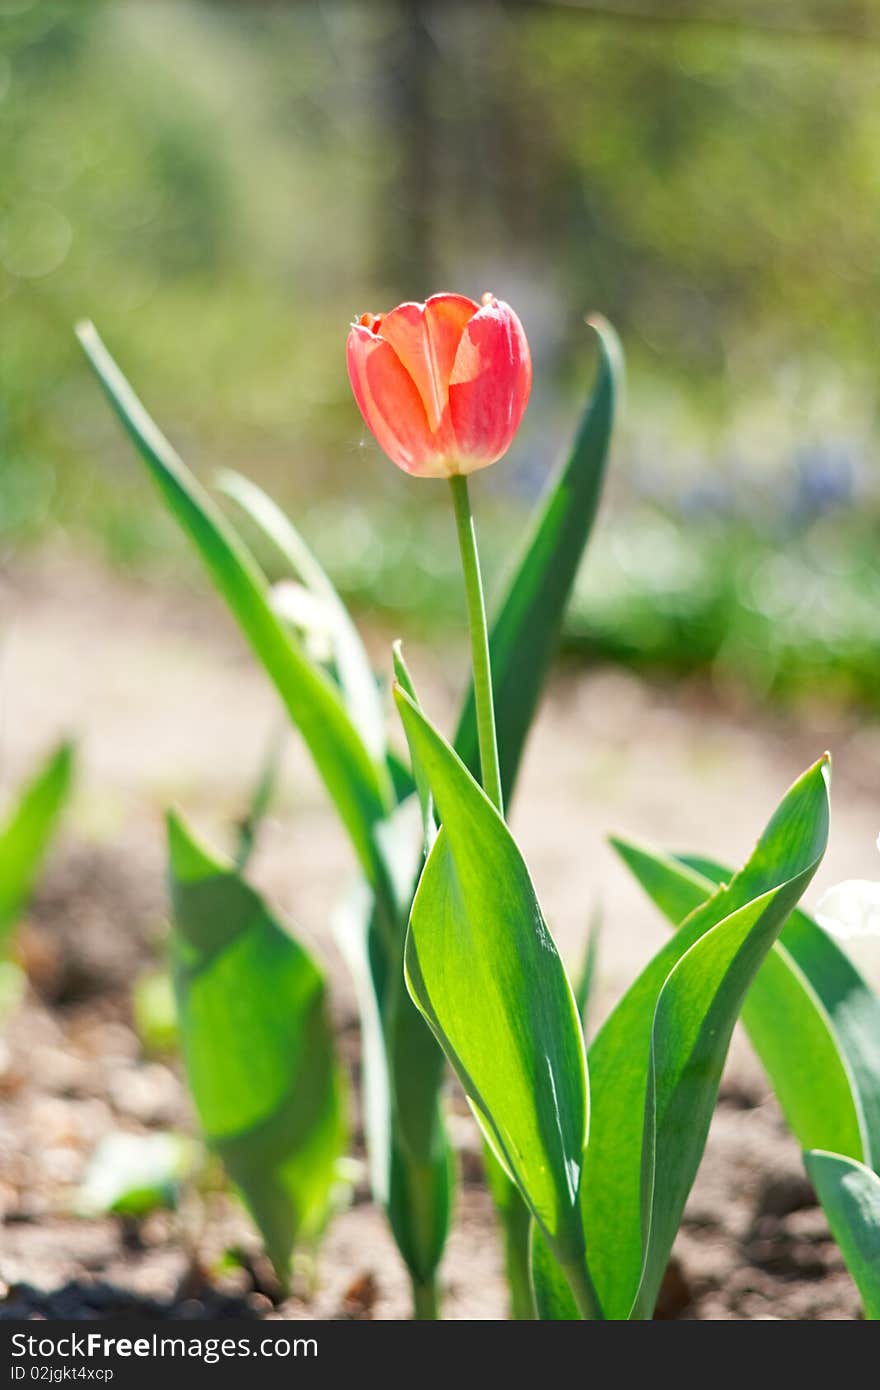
(442, 385)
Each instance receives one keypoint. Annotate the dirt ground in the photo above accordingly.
(168, 708)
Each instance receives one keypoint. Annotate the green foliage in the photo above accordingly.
(553, 1297)
(336, 708)
(774, 608)
(806, 989)
(815, 1024)
(26, 835)
(656, 1063)
(118, 196)
(484, 971)
(853, 1012)
(258, 1047)
(850, 1195)
(358, 785)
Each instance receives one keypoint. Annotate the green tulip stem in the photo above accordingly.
(476, 609)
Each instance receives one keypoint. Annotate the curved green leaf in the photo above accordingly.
(785, 1017)
(353, 671)
(359, 786)
(554, 1300)
(850, 1197)
(525, 631)
(853, 1009)
(25, 837)
(257, 1045)
(483, 969)
(694, 1020)
(638, 1167)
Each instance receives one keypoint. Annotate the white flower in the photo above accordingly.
(851, 908)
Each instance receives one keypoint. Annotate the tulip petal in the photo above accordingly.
(426, 338)
(389, 402)
(489, 385)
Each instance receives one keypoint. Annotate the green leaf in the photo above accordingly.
(405, 681)
(513, 1213)
(483, 969)
(586, 978)
(422, 1174)
(850, 1197)
(134, 1174)
(525, 631)
(359, 786)
(411, 1162)
(25, 837)
(654, 1079)
(258, 1046)
(853, 1009)
(785, 1013)
(353, 671)
(516, 1224)
(554, 1300)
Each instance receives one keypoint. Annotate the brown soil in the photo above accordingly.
(169, 708)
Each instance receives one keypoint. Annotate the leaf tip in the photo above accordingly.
(189, 857)
(402, 698)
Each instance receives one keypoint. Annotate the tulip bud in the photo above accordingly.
(442, 385)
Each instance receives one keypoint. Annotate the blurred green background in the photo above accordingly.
(222, 187)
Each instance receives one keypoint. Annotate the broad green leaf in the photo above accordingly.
(258, 1046)
(414, 1064)
(554, 1300)
(784, 1015)
(627, 1127)
(133, 1174)
(696, 1012)
(850, 1197)
(525, 631)
(853, 1009)
(359, 786)
(354, 673)
(27, 832)
(483, 969)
